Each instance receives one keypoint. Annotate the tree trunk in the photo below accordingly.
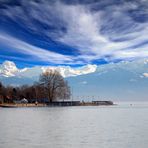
(50, 100)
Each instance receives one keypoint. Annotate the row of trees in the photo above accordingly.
(51, 86)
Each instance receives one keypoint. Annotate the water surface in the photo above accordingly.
(122, 126)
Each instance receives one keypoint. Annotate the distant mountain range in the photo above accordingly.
(116, 81)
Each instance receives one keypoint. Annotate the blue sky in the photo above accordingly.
(75, 32)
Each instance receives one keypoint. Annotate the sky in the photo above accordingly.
(73, 32)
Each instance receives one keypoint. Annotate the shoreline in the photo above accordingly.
(58, 104)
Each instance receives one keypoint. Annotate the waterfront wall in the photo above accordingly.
(79, 103)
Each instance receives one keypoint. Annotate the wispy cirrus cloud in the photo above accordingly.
(96, 30)
(84, 32)
(33, 51)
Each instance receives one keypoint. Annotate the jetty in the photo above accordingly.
(57, 104)
(14, 105)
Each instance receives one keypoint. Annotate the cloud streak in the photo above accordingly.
(108, 32)
(33, 51)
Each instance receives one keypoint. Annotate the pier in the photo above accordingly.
(58, 104)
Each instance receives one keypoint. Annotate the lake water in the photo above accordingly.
(121, 126)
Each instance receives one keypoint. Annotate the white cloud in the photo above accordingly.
(30, 50)
(84, 82)
(83, 31)
(145, 75)
(9, 69)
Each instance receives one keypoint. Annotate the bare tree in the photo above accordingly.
(55, 86)
(1, 92)
(40, 92)
(51, 85)
(1, 88)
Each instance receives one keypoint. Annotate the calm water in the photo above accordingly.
(121, 126)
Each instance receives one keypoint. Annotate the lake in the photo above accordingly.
(120, 126)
